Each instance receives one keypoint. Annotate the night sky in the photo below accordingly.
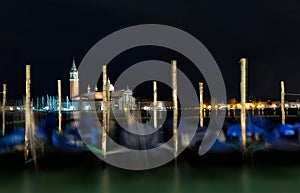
(48, 33)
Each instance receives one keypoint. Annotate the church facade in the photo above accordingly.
(120, 99)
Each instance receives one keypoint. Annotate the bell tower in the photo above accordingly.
(74, 81)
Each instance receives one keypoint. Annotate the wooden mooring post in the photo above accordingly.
(243, 62)
(27, 113)
(154, 104)
(108, 106)
(201, 103)
(282, 103)
(3, 108)
(59, 107)
(104, 111)
(175, 106)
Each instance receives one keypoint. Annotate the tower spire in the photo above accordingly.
(73, 64)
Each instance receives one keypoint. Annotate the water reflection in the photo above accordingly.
(105, 181)
(25, 183)
(176, 183)
(170, 178)
(245, 179)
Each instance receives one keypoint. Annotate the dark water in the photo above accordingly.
(169, 178)
(184, 177)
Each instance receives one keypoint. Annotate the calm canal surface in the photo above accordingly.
(169, 178)
(185, 177)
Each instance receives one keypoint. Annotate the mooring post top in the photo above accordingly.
(243, 60)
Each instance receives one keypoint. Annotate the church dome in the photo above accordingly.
(111, 87)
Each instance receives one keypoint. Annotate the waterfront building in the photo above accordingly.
(120, 99)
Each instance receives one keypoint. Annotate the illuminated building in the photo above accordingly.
(74, 81)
